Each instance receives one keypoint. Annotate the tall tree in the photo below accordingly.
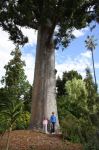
(45, 16)
(91, 44)
(92, 91)
(15, 83)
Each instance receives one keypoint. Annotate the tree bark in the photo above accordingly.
(8, 139)
(44, 88)
(93, 68)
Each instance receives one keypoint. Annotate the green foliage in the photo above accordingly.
(71, 108)
(3, 123)
(27, 99)
(3, 95)
(62, 104)
(10, 111)
(88, 132)
(15, 96)
(77, 97)
(92, 91)
(75, 102)
(71, 75)
(75, 89)
(60, 83)
(15, 78)
(79, 110)
(23, 121)
(90, 43)
(69, 126)
(16, 86)
(67, 14)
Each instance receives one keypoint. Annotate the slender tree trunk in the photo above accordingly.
(8, 139)
(44, 97)
(93, 67)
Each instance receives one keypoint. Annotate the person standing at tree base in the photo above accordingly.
(53, 122)
(45, 123)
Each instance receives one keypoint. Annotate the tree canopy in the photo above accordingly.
(66, 14)
(67, 76)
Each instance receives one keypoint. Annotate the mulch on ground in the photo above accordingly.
(34, 140)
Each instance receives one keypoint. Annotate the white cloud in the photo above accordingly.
(31, 34)
(6, 46)
(86, 54)
(81, 32)
(78, 64)
(29, 69)
(97, 65)
(5, 43)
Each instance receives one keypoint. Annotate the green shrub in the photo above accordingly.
(23, 121)
(3, 123)
(69, 127)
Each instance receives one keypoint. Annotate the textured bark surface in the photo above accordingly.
(44, 97)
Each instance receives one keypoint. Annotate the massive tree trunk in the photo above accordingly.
(44, 97)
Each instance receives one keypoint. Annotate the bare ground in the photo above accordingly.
(34, 140)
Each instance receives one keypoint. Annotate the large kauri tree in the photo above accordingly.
(45, 16)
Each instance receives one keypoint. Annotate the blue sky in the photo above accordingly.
(75, 56)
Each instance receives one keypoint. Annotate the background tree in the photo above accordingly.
(28, 99)
(16, 88)
(60, 86)
(44, 16)
(91, 45)
(77, 96)
(67, 76)
(72, 107)
(14, 80)
(92, 91)
(92, 116)
(78, 112)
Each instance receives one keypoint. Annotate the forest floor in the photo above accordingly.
(34, 140)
